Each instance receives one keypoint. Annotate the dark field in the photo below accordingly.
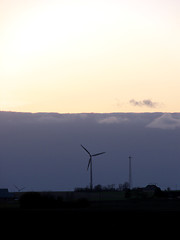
(132, 206)
(35, 208)
(137, 215)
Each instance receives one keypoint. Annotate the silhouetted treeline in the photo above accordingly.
(108, 188)
(36, 200)
(150, 191)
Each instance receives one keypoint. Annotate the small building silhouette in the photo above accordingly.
(5, 194)
(152, 187)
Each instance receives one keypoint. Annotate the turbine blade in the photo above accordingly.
(86, 150)
(98, 154)
(89, 163)
(16, 187)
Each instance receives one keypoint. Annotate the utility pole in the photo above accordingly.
(130, 173)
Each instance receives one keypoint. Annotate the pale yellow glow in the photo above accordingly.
(89, 56)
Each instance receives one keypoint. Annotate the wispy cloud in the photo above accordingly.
(145, 102)
(112, 120)
(166, 121)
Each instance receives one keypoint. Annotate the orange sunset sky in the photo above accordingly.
(90, 56)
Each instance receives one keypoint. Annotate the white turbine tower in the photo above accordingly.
(90, 164)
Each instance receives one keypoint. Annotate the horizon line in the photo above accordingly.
(48, 112)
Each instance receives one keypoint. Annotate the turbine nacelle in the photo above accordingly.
(91, 155)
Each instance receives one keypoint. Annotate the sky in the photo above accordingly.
(42, 151)
(101, 56)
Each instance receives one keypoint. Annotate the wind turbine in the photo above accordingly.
(90, 164)
(19, 189)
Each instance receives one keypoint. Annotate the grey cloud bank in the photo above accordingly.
(42, 151)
